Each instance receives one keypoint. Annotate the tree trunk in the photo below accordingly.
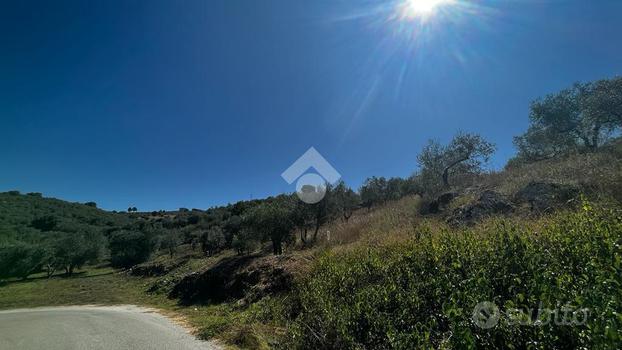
(346, 215)
(317, 229)
(49, 269)
(595, 135)
(446, 171)
(446, 177)
(303, 236)
(277, 249)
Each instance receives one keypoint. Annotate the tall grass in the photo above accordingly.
(597, 174)
(421, 292)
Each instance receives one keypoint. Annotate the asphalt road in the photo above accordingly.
(86, 327)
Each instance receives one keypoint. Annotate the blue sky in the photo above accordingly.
(168, 104)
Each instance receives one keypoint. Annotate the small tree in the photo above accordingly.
(244, 242)
(273, 221)
(373, 191)
(345, 200)
(170, 242)
(20, 259)
(231, 227)
(395, 188)
(128, 248)
(49, 262)
(465, 153)
(212, 240)
(302, 219)
(323, 211)
(72, 250)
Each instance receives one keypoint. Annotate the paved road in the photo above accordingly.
(86, 328)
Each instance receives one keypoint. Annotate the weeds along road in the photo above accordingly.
(89, 327)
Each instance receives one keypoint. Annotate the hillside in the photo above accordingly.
(454, 256)
(346, 290)
(27, 217)
(254, 299)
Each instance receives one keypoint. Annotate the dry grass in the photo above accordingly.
(596, 173)
(372, 225)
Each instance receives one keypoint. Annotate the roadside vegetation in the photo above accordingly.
(420, 292)
(398, 263)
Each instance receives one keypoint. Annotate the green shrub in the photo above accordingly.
(422, 294)
(19, 259)
(70, 251)
(128, 248)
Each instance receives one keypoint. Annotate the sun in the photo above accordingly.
(421, 8)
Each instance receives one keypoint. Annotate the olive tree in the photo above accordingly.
(72, 250)
(212, 240)
(273, 221)
(373, 191)
(466, 153)
(345, 200)
(170, 241)
(128, 248)
(20, 259)
(580, 118)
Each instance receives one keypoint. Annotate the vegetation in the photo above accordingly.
(464, 154)
(97, 285)
(19, 260)
(366, 269)
(44, 234)
(421, 293)
(580, 118)
(128, 248)
(71, 251)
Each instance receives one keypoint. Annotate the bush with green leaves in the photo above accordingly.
(273, 221)
(244, 242)
(19, 259)
(212, 240)
(128, 248)
(170, 241)
(422, 294)
(71, 251)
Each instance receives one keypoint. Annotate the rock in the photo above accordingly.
(441, 202)
(446, 198)
(543, 196)
(488, 204)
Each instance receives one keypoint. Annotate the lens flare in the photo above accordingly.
(421, 8)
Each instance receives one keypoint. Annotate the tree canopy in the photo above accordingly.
(580, 118)
(466, 153)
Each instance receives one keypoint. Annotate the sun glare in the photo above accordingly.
(421, 8)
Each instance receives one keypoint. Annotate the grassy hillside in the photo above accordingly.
(407, 272)
(23, 216)
(391, 277)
